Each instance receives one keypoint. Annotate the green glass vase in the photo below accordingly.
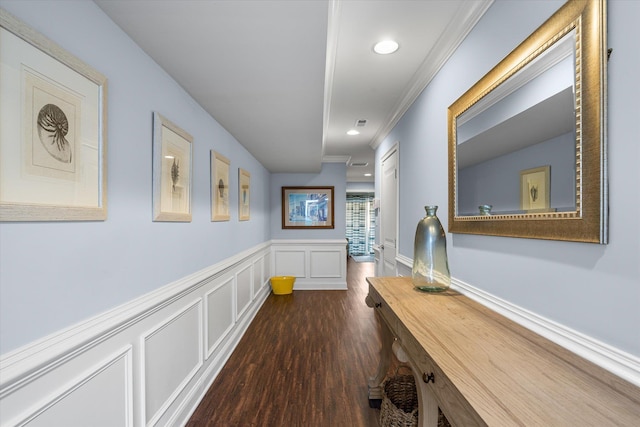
(430, 271)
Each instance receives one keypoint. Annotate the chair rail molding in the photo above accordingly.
(124, 364)
(151, 360)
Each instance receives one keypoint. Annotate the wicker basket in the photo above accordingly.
(399, 401)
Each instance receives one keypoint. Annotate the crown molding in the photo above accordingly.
(467, 16)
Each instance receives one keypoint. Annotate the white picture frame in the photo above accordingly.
(53, 133)
(535, 189)
(220, 166)
(244, 195)
(172, 171)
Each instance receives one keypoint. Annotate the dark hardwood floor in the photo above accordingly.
(304, 361)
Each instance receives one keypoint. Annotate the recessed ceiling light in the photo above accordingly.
(367, 174)
(353, 132)
(385, 47)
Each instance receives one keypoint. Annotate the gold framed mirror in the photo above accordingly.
(527, 143)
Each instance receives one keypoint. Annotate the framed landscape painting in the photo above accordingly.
(53, 139)
(307, 207)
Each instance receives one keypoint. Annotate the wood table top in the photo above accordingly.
(508, 374)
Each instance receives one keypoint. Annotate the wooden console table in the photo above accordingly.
(481, 368)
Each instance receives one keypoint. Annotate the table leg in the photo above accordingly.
(427, 404)
(376, 382)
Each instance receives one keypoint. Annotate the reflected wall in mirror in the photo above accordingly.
(527, 149)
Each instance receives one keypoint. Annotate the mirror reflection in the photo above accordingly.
(528, 124)
(527, 146)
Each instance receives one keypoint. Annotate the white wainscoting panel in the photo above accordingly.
(150, 361)
(100, 397)
(259, 278)
(147, 362)
(316, 264)
(244, 287)
(172, 356)
(219, 314)
(290, 262)
(326, 264)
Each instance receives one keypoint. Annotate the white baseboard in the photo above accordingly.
(610, 358)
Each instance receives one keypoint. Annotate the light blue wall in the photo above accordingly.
(485, 182)
(360, 187)
(332, 174)
(53, 275)
(593, 289)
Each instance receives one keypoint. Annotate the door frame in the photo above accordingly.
(394, 149)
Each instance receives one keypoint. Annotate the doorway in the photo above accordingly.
(361, 225)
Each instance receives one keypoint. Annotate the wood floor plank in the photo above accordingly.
(304, 361)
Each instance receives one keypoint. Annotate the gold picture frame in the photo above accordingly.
(219, 187)
(307, 207)
(53, 133)
(244, 195)
(172, 171)
(535, 189)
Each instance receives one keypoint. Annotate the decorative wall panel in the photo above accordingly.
(179, 336)
(316, 264)
(172, 355)
(100, 397)
(326, 263)
(259, 278)
(244, 289)
(290, 262)
(166, 333)
(219, 314)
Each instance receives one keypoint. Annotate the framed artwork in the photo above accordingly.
(172, 175)
(244, 195)
(535, 187)
(53, 137)
(307, 207)
(219, 187)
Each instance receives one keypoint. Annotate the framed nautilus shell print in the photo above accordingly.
(52, 130)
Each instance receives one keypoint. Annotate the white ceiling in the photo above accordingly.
(288, 78)
(548, 119)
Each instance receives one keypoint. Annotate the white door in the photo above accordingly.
(389, 212)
